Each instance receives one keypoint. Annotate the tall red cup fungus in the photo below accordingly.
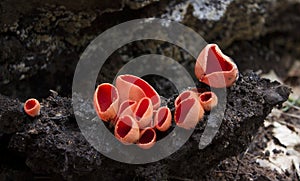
(188, 113)
(135, 88)
(127, 108)
(208, 100)
(215, 68)
(32, 107)
(147, 139)
(185, 95)
(163, 118)
(106, 101)
(127, 130)
(144, 112)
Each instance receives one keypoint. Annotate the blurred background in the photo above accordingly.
(41, 41)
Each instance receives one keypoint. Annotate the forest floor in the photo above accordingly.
(274, 153)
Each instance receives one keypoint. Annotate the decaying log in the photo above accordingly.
(53, 146)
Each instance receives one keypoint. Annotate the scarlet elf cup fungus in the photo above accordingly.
(127, 108)
(144, 112)
(140, 103)
(134, 105)
(106, 101)
(32, 107)
(147, 139)
(162, 119)
(215, 68)
(208, 100)
(188, 113)
(135, 88)
(139, 113)
(127, 130)
(185, 95)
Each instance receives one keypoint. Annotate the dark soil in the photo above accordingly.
(52, 146)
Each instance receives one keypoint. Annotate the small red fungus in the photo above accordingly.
(215, 68)
(147, 139)
(185, 95)
(32, 107)
(106, 101)
(188, 113)
(127, 108)
(135, 88)
(208, 100)
(144, 112)
(127, 130)
(163, 118)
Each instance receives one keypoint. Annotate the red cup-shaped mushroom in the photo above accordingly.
(135, 88)
(163, 118)
(147, 139)
(106, 101)
(127, 130)
(127, 108)
(215, 68)
(32, 107)
(143, 113)
(188, 113)
(208, 100)
(185, 95)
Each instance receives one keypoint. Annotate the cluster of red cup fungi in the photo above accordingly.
(134, 107)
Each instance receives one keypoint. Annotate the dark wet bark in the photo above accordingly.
(53, 146)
